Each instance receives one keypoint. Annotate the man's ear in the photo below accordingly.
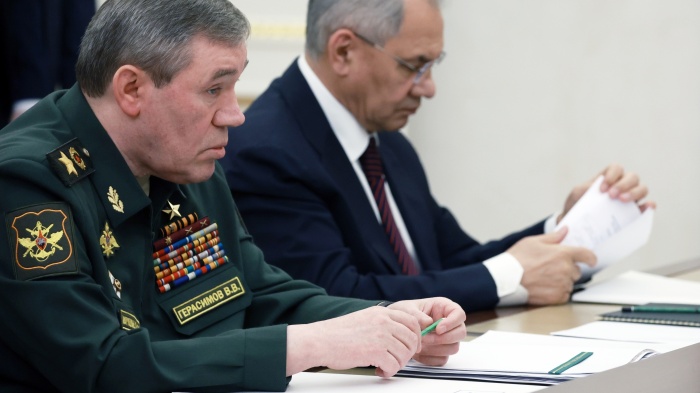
(341, 51)
(128, 86)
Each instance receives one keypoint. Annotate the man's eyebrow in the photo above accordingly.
(229, 71)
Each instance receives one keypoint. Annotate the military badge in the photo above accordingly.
(108, 242)
(116, 284)
(175, 226)
(128, 320)
(173, 211)
(69, 165)
(76, 158)
(70, 168)
(42, 241)
(188, 258)
(113, 198)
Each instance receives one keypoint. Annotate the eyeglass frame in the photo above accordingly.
(419, 71)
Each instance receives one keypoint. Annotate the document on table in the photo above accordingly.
(635, 287)
(612, 229)
(529, 358)
(342, 383)
(638, 332)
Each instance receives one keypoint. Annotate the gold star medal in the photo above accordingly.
(108, 242)
(173, 211)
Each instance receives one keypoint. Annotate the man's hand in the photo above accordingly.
(377, 336)
(550, 269)
(619, 184)
(444, 341)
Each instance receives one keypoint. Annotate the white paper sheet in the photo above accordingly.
(638, 332)
(635, 287)
(524, 357)
(612, 229)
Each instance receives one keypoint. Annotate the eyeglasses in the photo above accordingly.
(419, 71)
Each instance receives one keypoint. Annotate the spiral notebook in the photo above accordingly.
(658, 318)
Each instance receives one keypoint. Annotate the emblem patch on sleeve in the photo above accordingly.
(41, 239)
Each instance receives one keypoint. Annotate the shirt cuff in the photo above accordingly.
(551, 223)
(506, 272)
(517, 298)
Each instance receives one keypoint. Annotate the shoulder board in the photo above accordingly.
(71, 162)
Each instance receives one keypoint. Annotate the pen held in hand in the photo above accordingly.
(430, 328)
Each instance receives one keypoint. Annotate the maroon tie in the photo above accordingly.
(371, 164)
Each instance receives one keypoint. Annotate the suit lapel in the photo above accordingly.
(316, 129)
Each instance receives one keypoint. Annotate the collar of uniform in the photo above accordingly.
(111, 170)
(161, 192)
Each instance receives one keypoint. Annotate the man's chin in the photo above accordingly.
(396, 123)
(193, 177)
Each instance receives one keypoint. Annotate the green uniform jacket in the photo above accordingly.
(81, 310)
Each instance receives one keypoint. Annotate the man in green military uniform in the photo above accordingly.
(126, 266)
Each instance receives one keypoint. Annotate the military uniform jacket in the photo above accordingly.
(81, 306)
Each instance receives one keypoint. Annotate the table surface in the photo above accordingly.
(544, 320)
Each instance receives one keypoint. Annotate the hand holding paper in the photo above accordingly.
(611, 228)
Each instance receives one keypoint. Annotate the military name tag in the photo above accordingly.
(209, 300)
(42, 240)
(129, 320)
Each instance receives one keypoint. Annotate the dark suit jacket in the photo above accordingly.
(305, 207)
(40, 42)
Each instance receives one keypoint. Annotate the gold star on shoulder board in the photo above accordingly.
(173, 211)
(68, 163)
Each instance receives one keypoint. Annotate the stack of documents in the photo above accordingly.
(326, 382)
(634, 287)
(637, 332)
(534, 359)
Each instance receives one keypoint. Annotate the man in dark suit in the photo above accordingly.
(41, 48)
(327, 207)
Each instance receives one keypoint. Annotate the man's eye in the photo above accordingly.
(214, 91)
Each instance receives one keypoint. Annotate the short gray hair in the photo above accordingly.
(153, 35)
(378, 20)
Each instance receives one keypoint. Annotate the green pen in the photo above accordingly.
(430, 328)
(570, 363)
(667, 309)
